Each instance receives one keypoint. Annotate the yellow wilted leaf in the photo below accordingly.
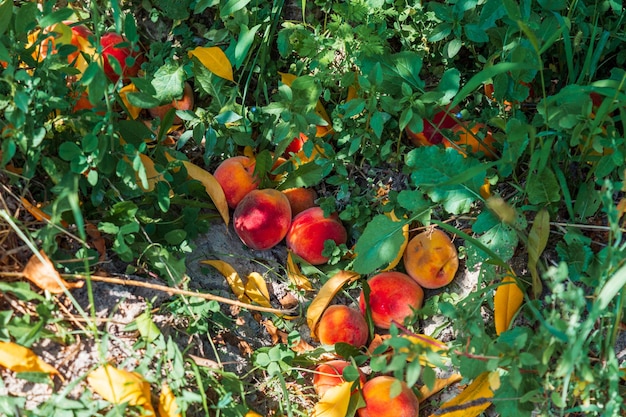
(167, 402)
(325, 295)
(212, 187)
(132, 110)
(253, 414)
(119, 386)
(478, 394)
(152, 175)
(440, 383)
(507, 300)
(295, 276)
(232, 277)
(426, 342)
(34, 211)
(334, 402)
(256, 290)
(215, 60)
(405, 234)
(44, 275)
(20, 359)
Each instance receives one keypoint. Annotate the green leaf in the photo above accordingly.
(231, 6)
(542, 187)
(501, 240)
(537, 241)
(168, 82)
(476, 34)
(306, 175)
(55, 17)
(6, 13)
(246, 38)
(414, 202)
(69, 151)
(449, 85)
(379, 244)
(614, 285)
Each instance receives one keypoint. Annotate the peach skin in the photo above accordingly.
(308, 232)
(262, 218)
(236, 176)
(379, 403)
(431, 259)
(340, 323)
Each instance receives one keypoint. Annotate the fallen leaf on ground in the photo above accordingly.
(507, 300)
(119, 386)
(45, 276)
(167, 402)
(334, 402)
(325, 296)
(256, 290)
(17, 358)
(253, 290)
(472, 401)
(440, 383)
(295, 276)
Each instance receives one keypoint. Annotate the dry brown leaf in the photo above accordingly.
(20, 359)
(334, 402)
(97, 241)
(440, 383)
(295, 276)
(472, 401)
(325, 296)
(167, 402)
(34, 211)
(215, 60)
(119, 386)
(45, 276)
(507, 299)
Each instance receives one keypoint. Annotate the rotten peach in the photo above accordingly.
(236, 176)
(300, 199)
(308, 232)
(393, 297)
(380, 403)
(330, 374)
(341, 323)
(431, 259)
(262, 218)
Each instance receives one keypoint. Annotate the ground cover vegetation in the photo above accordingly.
(391, 147)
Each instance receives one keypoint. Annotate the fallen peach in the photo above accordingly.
(185, 102)
(296, 145)
(308, 232)
(473, 139)
(236, 176)
(393, 297)
(300, 199)
(379, 403)
(330, 374)
(431, 259)
(340, 323)
(262, 218)
(433, 130)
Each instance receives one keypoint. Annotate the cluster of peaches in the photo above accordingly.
(431, 261)
(262, 218)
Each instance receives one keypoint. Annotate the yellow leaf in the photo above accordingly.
(20, 359)
(429, 343)
(325, 295)
(34, 211)
(119, 387)
(440, 383)
(215, 60)
(507, 300)
(45, 276)
(212, 187)
(256, 290)
(167, 402)
(132, 110)
(295, 276)
(253, 414)
(334, 402)
(405, 235)
(152, 175)
(472, 401)
(232, 277)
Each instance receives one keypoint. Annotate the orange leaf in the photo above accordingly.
(20, 359)
(132, 110)
(167, 402)
(295, 276)
(152, 174)
(215, 60)
(45, 276)
(325, 295)
(119, 386)
(507, 300)
(472, 401)
(34, 211)
(440, 383)
(334, 402)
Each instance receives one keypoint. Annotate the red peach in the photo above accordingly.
(308, 232)
(379, 403)
(300, 199)
(340, 323)
(393, 297)
(111, 48)
(262, 218)
(330, 374)
(185, 102)
(296, 145)
(236, 176)
(432, 133)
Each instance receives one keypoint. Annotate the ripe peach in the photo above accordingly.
(296, 145)
(300, 199)
(468, 138)
(308, 232)
(111, 48)
(236, 176)
(330, 374)
(185, 102)
(431, 259)
(262, 218)
(340, 323)
(432, 133)
(393, 297)
(378, 401)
